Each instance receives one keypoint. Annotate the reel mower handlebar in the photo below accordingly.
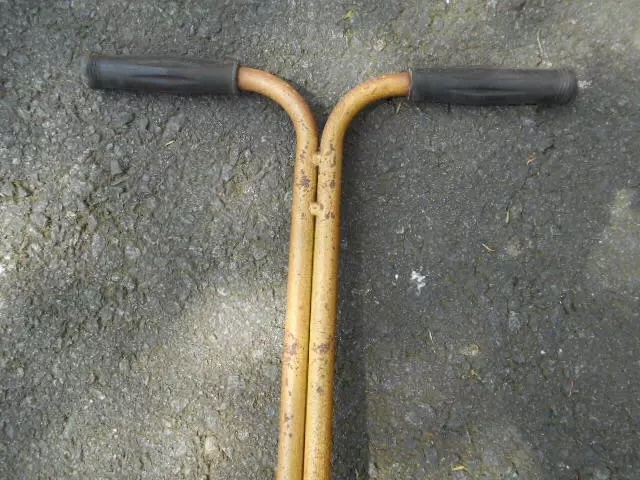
(308, 366)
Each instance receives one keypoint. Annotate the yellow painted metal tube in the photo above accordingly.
(296, 336)
(308, 361)
(326, 257)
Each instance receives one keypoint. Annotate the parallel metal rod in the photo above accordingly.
(296, 329)
(326, 257)
(308, 361)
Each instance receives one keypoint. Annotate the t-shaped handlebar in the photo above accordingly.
(308, 362)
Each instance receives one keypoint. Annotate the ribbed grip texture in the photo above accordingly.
(160, 74)
(490, 86)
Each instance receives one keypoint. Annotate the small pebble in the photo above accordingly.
(132, 253)
(142, 123)
(179, 404)
(98, 394)
(470, 350)
(174, 125)
(514, 322)
(210, 448)
(379, 45)
(259, 251)
(9, 431)
(124, 365)
(122, 119)
(114, 167)
(6, 189)
(203, 31)
(92, 224)
(40, 206)
(98, 244)
(212, 420)
(39, 220)
(21, 192)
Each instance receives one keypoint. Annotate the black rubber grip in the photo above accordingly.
(161, 74)
(491, 86)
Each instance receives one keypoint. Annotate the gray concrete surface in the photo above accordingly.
(490, 282)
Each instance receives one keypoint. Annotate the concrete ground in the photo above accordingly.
(490, 281)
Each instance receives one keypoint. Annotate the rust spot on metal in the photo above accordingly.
(305, 182)
(323, 348)
(291, 351)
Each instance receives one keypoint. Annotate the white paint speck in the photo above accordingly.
(2, 270)
(418, 280)
(542, 352)
(584, 84)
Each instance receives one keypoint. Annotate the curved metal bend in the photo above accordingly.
(326, 257)
(308, 362)
(296, 339)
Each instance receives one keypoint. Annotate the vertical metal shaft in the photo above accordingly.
(326, 257)
(296, 336)
(308, 361)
